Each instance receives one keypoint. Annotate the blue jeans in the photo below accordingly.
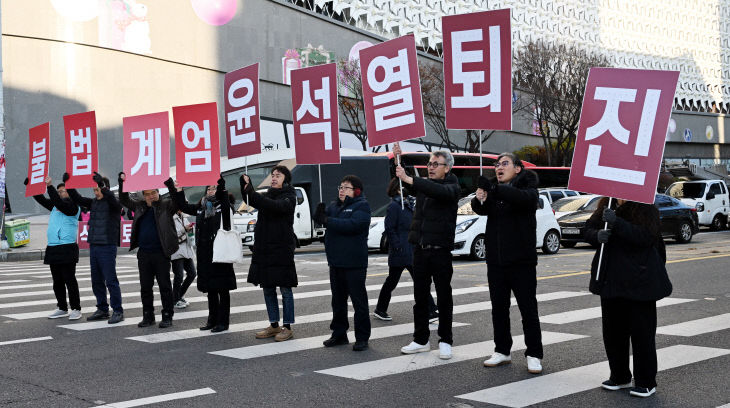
(272, 304)
(103, 259)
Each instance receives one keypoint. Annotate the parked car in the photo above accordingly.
(678, 221)
(554, 194)
(709, 197)
(572, 204)
(376, 237)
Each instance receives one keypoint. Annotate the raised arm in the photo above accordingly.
(521, 198)
(43, 201)
(480, 208)
(124, 197)
(437, 191)
(78, 199)
(67, 207)
(358, 222)
(284, 205)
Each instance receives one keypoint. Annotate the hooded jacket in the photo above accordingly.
(434, 221)
(63, 225)
(346, 239)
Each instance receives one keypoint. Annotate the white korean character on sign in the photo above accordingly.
(84, 235)
(126, 232)
(610, 123)
(323, 95)
(38, 162)
(469, 78)
(150, 151)
(80, 144)
(240, 119)
(397, 112)
(198, 136)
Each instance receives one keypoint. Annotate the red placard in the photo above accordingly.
(243, 125)
(197, 151)
(82, 157)
(392, 91)
(83, 235)
(146, 151)
(478, 70)
(125, 233)
(316, 115)
(39, 159)
(622, 130)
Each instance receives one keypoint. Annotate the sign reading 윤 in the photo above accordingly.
(243, 124)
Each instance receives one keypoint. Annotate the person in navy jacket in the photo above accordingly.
(348, 222)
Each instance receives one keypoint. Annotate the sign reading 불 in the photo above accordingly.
(39, 157)
(197, 152)
(241, 95)
(81, 151)
(622, 130)
(146, 151)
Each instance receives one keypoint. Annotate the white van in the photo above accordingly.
(709, 197)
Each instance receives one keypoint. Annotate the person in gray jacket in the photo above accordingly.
(182, 261)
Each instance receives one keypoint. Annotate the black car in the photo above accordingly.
(679, 221)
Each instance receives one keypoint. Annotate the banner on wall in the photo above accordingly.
(39, 159)
(83, 235)
(242, 112)
(621, 134)
(81, 149)
(146, 141)
(197, 151)
(316, 114)
(125, 233)
(478, 70)
(391, 90)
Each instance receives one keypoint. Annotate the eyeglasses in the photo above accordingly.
(341, 188)
(505, 163)
(435, 164)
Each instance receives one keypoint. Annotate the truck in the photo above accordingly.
(709, 197)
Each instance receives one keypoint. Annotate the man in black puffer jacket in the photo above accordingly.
(432, 234)
(510, 205)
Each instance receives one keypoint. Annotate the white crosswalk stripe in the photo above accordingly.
(697, 327)
(159, 398)
(595, 312)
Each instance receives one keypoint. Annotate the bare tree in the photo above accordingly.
(432, 92)
(350, 99)
(553, 77)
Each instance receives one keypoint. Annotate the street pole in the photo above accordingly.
(600, 256)
(3, 244)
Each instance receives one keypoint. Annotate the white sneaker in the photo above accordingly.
(181, 304)
(74, 315)
(533, 365)
(58, 313)
(185, 302)
(414, 348)
(444, 351)
(497, 359)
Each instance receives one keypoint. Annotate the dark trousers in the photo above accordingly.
(155, 265)
(350, 282)
(625, 320)
(64, 276)
(103, 260)
(219, 307)
(390, 284)
(180, 286)
(522, 281)
(433, 264)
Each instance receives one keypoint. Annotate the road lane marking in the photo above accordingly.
(15, 281)
(159, 398)
(697, 327)
(589, 377)
(580, 315)
(5, 343)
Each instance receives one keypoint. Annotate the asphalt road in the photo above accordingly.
(74, 364)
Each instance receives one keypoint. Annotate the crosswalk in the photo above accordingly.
(26, 295)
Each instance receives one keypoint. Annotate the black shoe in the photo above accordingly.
(336, 341)
(614, 386)
(116, 318)
(360, 346)
(165, 323)
(98, 315)
(642, 391)
(433, 316)
(381, 315)
(146, 322)
(219, 328)
(207, 326)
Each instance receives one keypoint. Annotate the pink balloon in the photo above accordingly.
(215, 12)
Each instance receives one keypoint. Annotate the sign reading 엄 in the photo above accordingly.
(39, 156)
(622, 130)
(81, 150)
(243, 124)
(197, 152)
(146, 143)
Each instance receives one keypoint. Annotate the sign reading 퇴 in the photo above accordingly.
(391, 91)
(316, 116)
(197, 152)
(81, 150)
(478, 70)
(39, 157)
(83, 235)
(243, 124)
(125, 233)
(622, 130)
(146, 151)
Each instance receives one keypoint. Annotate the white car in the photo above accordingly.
(469, 239)
(376, 236)
(572, 204)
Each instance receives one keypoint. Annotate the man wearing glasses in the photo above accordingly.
(432, 234)
(510, 205)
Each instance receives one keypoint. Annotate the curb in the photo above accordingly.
(37, 254)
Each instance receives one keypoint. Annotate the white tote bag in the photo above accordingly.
(227, 247)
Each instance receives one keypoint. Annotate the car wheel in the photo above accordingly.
(384, 244)
(717, 223)
(684, 233)
(551, 242)
(568, 244)
(479, 248)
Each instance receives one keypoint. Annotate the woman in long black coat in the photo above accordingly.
(272, 263)
(215, 279)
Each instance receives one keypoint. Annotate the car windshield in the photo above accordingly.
(380, 212)
(686, 190)
(571, 203)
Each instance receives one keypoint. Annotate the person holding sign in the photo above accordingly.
(62, 252)
(510, 205)
(633, 276)
(103, 241)
(153, 232)
(216, 279)
(432, 232)
(347, 221)
(272, 262)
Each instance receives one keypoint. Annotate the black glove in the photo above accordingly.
(170, 184)
(485, 184)
(604, 235)
(319, 215)
(221, 184)
(119, 177)
(609, 215)
(65, 177)
(98, 180)
(25, 182)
